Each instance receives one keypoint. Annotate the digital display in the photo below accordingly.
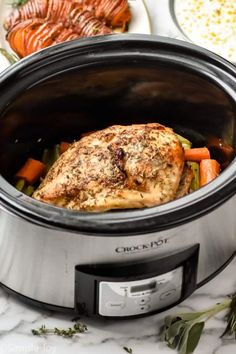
(143, 287)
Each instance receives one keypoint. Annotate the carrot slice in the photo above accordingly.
(87, 133)
(197, 154)
(64, 146)
(209, 170)
(31, 171)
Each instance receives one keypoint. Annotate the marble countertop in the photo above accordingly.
(106, 337)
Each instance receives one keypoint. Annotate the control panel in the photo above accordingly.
(137, 288)
(137, 297)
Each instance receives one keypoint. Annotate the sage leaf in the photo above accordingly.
(175, 329)
(183, 331)
(165, 327)
(194, 337)
(190, 316)
(183, 340)
(169, 320)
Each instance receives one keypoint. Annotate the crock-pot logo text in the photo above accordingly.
(142, 247)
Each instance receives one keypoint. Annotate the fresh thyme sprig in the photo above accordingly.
(183, 331)
(69, 332)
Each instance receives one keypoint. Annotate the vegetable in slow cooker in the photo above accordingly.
(120, 167)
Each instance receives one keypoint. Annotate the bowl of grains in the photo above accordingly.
(208, 23)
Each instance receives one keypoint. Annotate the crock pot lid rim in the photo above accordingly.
(107, 40)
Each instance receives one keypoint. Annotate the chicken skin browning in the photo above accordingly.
(120, 167)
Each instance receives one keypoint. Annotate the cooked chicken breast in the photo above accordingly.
(185, 182)
(119, 167)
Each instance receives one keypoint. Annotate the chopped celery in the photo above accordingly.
(29, 190)
(196, 175)
(46, 158)
(20, 184)
(56, 152)
(184, 142)
(50, 156)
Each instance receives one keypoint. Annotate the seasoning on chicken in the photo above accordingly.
(120, 167)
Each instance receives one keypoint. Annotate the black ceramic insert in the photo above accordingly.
(63, 91)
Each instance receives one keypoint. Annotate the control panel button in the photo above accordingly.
(145, 308)
(144, 301)
(167, 294)
(115, 305)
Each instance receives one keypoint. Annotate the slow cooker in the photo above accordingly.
(121, 263)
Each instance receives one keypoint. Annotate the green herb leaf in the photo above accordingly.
(128, 350)
(174, 333)
(194, 337)
(183, 331)
(191, 316)
(70, 332)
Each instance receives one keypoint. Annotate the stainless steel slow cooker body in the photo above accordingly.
(121, 263)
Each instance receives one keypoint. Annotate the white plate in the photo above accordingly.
(139, 24)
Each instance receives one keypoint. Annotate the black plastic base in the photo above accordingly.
(51, 307)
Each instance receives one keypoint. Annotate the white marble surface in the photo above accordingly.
(106, 337)
(17, 319)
